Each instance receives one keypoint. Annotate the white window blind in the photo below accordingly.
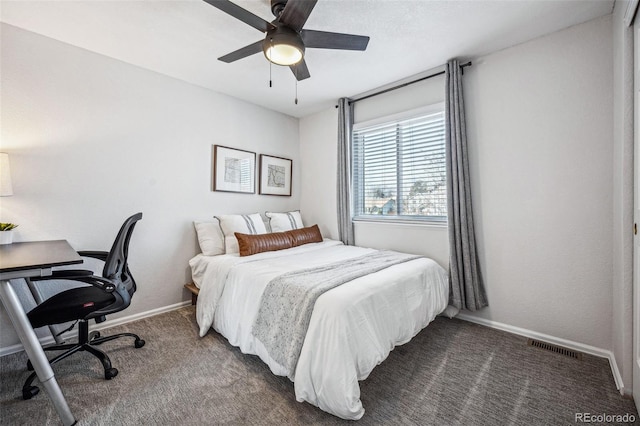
(399, 169)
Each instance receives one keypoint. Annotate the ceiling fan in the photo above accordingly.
(286, 40)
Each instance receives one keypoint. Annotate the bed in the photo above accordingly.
(351, 329)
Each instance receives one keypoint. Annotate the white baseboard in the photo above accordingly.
(102, 326)
(580, 347)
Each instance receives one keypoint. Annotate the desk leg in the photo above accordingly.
(34, 351)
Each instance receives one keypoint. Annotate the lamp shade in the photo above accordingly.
(5, 176)
(283, 54)
(283, 46)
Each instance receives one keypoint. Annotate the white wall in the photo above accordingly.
(540, 132)
(413, 96)
(93, 140)
(318, 153)
(540, 141)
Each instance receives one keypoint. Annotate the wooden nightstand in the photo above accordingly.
(194, 292)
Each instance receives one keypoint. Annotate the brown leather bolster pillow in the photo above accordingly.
(307, 235)
(252, 244)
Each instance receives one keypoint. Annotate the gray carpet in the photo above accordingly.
(452, 373)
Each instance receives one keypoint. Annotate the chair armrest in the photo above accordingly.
(96, 281)
(100, 255)
(65, 274)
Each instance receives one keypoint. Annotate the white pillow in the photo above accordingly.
(244, 223)
(210, 237)
(287, 221)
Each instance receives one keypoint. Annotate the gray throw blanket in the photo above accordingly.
(288, 300)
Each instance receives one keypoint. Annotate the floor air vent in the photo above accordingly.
(554, 348)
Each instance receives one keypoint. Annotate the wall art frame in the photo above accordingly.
(275, 175)
(234, 170)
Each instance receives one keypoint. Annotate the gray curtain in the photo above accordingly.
(467, 288)
(345, 125)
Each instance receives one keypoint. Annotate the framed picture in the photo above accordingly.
(275, 175)
(234, 170)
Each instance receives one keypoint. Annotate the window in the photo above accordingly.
(399, 168)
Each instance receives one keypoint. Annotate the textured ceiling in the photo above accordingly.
(183, 39)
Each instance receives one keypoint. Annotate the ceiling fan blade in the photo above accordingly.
(326, 40)
(300, 70)
(242, 14)
(296, 13)
(242, 53)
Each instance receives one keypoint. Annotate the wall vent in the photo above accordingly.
(555, 348)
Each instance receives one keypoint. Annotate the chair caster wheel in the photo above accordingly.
(139, 343)
(29, 366)
(30, 392)
(94, 335)
(110, 373)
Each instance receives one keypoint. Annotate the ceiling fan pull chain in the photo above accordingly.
(296, 86)
(270, 65)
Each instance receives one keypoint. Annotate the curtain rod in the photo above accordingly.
(399, 86)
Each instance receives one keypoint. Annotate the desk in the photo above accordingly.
(34, 259)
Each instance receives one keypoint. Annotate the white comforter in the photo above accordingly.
(353, 327)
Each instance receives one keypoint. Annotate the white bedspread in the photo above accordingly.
(352, 329)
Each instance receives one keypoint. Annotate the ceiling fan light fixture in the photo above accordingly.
(283, 54)
(283, 47)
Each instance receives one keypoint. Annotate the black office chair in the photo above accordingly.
(105, 295)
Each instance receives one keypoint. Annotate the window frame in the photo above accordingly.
(439, 221)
